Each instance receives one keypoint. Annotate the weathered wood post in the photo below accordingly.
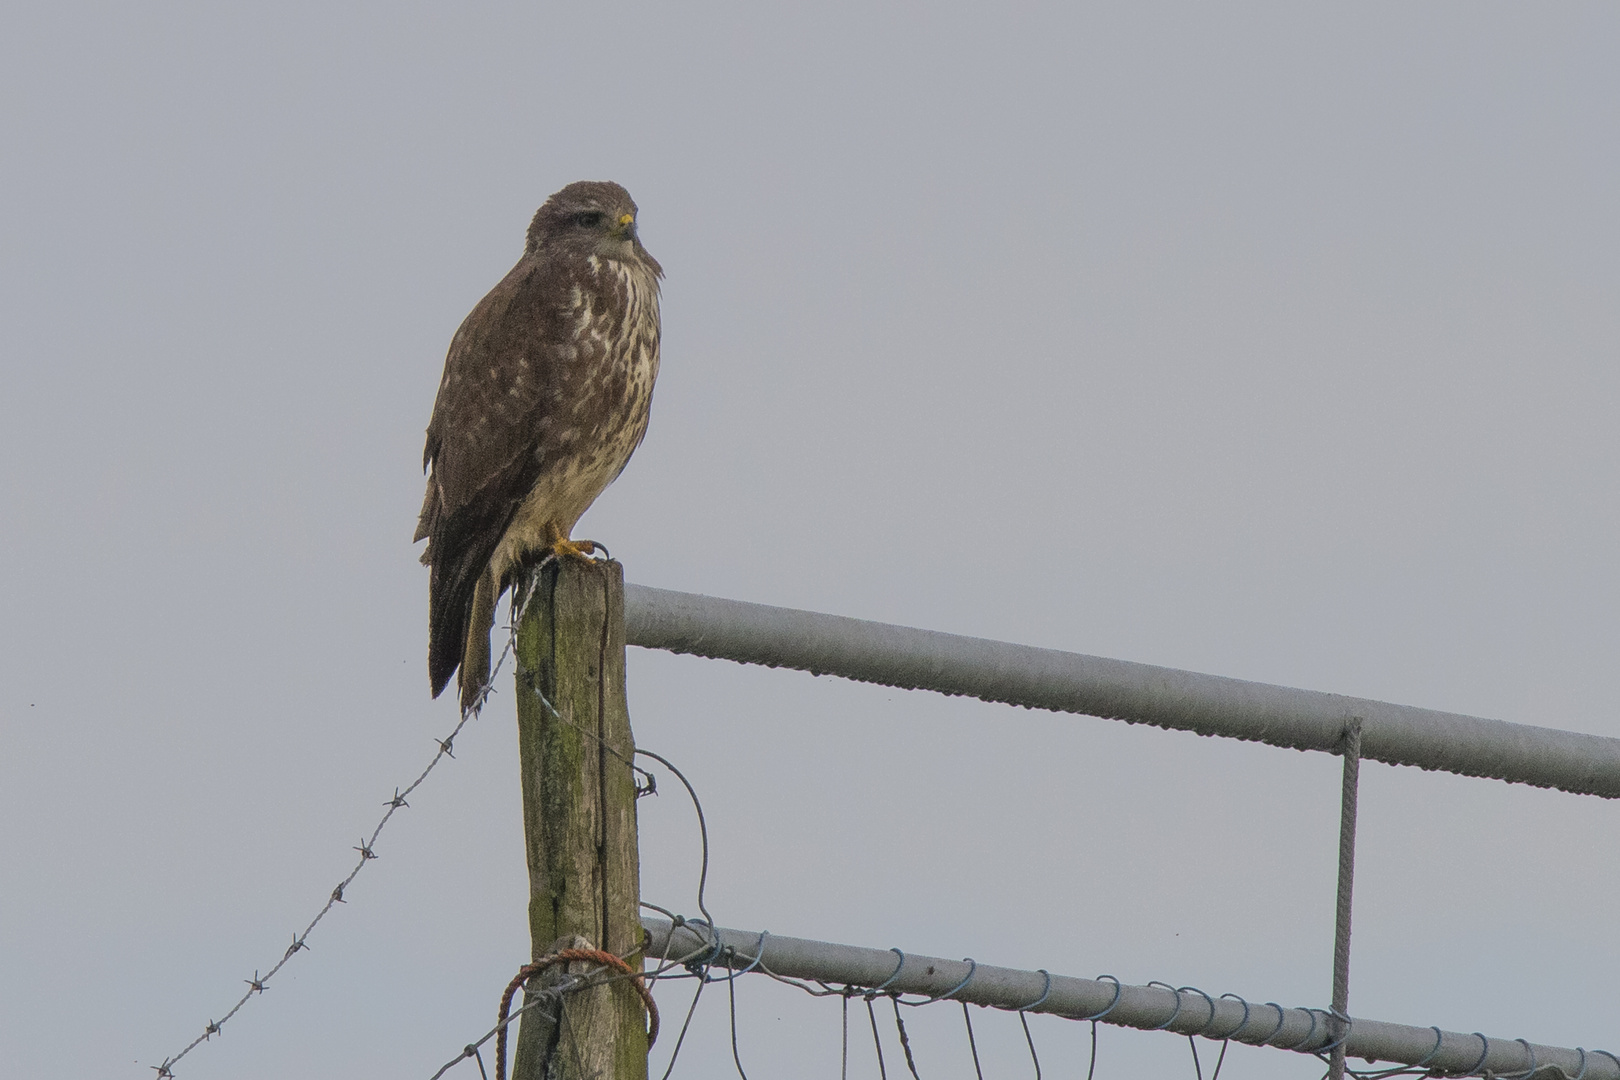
(579, 821)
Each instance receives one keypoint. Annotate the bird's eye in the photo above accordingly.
(589, 219)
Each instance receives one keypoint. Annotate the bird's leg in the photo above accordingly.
(579, 549)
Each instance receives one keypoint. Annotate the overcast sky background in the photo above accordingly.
(1271, 340)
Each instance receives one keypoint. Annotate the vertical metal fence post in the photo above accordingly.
(1347, 872)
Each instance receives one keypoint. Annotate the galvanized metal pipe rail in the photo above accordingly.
(1035, 678)
(1151, 1008)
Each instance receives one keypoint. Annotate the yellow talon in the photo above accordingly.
(579, 549)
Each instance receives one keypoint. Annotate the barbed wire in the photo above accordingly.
(367, 846)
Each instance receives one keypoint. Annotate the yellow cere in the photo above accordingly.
(627, 219)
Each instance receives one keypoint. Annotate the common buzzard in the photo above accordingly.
(544, 398)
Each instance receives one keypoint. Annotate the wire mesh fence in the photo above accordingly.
(879, 985)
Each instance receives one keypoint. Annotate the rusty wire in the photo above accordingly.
(569, 956)
(573, 983)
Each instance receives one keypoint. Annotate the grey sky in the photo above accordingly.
(1275, 340)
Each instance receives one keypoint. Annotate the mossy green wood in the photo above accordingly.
(579, 819)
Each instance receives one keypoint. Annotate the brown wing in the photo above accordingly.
(485, 448)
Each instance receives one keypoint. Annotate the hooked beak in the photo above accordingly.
(627, 227)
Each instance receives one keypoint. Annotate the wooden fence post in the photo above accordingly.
(579, 821)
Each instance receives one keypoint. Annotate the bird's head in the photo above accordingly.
(590, 217)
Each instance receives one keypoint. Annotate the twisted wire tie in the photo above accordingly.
(1175, 1013)
(1242, 1023)
(718, 948)
(1582, 1052)
(1118, 990)
(973, 967)
(1533, 1066)
(884, 985)
(1610, 1056)
(759, 954)
(698, 967)
(1430, 1056)
(1038, 1002)
(1282, 1018)
(1309, 1035)
(1207, 998)
(1483, 1054)
(1342, 1039)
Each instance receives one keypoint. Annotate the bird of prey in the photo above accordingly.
(545, 396)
